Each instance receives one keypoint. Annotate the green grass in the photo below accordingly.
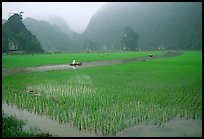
(17, 61)
(111, 98)
(12, 127)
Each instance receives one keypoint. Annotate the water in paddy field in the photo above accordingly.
(53, 127)
(173, 128)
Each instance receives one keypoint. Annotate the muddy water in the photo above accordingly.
(173, 128)
(6, 72)
(45, 124)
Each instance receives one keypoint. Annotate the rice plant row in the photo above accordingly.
(105, 110)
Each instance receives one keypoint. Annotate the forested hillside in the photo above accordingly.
(166, 25)
(16, 37)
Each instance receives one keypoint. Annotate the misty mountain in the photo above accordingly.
(170, 25)
(62, 24)
(51, 36)
(16, 37)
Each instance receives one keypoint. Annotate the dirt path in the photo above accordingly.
(6, 72)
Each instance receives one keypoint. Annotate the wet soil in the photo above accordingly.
(174, 128)
(43, 123)
(6, 72)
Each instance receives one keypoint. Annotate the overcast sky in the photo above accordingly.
(77, 14)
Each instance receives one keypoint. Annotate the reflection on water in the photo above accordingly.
(44, 123)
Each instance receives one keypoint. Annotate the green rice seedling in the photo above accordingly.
(108, 106)
(80, 123)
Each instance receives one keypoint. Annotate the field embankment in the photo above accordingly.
(90, 64)
(22, 61)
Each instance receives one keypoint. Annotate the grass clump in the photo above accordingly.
(12, 127)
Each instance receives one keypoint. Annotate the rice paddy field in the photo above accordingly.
(108, 99)
(19, 61)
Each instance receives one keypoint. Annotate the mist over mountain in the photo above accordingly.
(62, 24)
(170, 25)
(52, 38)
(4, 21)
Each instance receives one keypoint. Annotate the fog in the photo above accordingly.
(77, 14)
(166, 25)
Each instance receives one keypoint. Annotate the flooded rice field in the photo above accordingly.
(43, 123)
(174, 128)
(177, 127)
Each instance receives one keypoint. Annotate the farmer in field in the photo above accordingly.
(73, 62)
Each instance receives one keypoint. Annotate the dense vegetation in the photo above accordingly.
(109, 99)
(129, 39)
(12, 127)
(15, 36)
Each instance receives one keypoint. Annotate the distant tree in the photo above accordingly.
(129, 39)
(5, 48)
